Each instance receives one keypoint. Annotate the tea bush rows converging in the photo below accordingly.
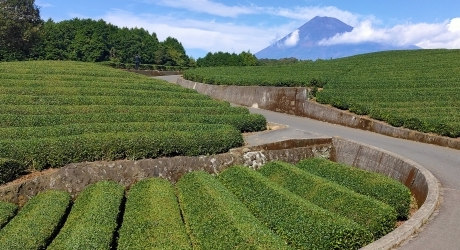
(152, 218)
(301, 223)
(37, 222)
(53, 113)
(415, 89)
(378, 217)
(272, 208)
(375, 185)
(215, 219)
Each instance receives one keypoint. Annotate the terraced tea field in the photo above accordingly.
(416, 89)
(280, 206)
(53, 113)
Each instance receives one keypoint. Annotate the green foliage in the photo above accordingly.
(19, 29)
(7, 211)
(37, 222)
(375, 185)
(302, 224)
(152, 218)
(10, 170)
(220, 59)
(215, 219)
(415, 89)
(92, 221)
(54, 113)
(378, 217)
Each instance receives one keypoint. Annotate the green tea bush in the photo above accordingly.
(152, 218)
(10, 169)
(7, 211)
(301, 223)
(37, 222)
(92, 221)
(44, 153)
(216, 219)
(378, 217)
(375, 185)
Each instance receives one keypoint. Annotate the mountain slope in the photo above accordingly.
(303, 43)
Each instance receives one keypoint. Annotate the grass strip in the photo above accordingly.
(92, 221)
(152, 218)
(37, 222)
(378, 217)
(301, 223)
(375, 185)
(216, 219)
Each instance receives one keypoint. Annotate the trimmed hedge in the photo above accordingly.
(378, 217)
(10, 169)
(152, 218)
(7, 211)
(216, 219)
(22, 133)
(375, 185)
(242, 122)
(37, 222)
(218, 108)
(57, 152)
(301, 223)
(92, 221)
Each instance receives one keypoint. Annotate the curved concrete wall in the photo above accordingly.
(295, 101)
(75, 177)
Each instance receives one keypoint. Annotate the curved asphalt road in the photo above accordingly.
(443, 230)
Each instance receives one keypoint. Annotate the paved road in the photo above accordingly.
(443, 230)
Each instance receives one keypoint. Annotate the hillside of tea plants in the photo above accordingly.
(416, 89)
(57, 112)
(280, 206)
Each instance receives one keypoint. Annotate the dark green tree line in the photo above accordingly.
(226, 59)
(24, 36)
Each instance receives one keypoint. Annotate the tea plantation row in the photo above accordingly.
(53, 113)
(416, 89)
(280, 206)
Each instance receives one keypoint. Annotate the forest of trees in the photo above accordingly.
(24, 36)
(226, 59)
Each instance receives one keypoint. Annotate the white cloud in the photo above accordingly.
(424, 35)
(196, 34)
(293, 39)
(209, 7)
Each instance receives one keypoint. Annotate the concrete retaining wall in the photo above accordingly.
(295, 101)
(75, 177)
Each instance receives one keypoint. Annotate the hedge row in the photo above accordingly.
(302, 224)
(216, 219)
(218, 108)
(375, 185)
(10, 169)
(37, 222)
(92, 221)
(100, 92)
(378, 217)
(243, 122)
(22, 133)
(119, 65)
(56, 152)
(104, 100)
(7, 211)
(82, 81)
(152, 218)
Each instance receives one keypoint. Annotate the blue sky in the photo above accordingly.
(250, 25)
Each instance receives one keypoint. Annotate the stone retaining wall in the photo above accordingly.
(295, 101)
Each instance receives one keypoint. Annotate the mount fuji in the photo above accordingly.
(304, 44)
